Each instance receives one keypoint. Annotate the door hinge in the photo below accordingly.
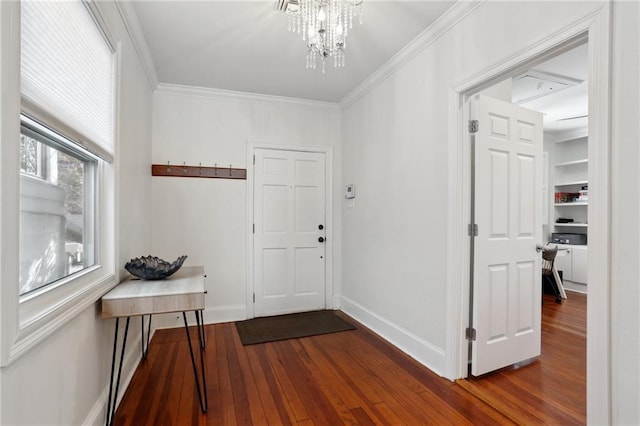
(254, 298)
(470, 333)
(254, 159)
(254, 228)
(472, 229)
(474, 125)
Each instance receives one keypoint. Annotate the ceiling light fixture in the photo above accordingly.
(324, 25)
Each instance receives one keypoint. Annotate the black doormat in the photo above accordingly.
(291, 326)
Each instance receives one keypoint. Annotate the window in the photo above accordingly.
(58, 195)
(66, 133)
(57, 220)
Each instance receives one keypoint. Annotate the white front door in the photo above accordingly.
(289, 216)
(508, 211)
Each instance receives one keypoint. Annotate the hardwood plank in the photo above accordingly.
(356, 377)
(237, 384)
(328, 388)
(224, 409)
(255, 404)
(552, 389)
(274, 410)
(316, 404)
(294, 401)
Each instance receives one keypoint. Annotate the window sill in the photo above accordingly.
(43, 314)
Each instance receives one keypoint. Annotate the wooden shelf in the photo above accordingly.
(175, 170)
(572, 135)
(578, 182)
(573, 163)
(572, 225)
(577, 203)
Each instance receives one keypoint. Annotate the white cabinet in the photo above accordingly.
(572, 261)
(579, 264)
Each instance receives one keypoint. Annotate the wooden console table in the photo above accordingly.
(182, 292)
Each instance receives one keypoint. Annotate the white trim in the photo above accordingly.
(417, 348)
(561, 41)
(328, 152)
(599, 404)
(131, 362)
(431, 34)
(233, 95)
(458, 243)
(136, 35)
(596, 24)
(9, 178)
(227, 313)
(249, 271)
(97, 15)
(54, 312)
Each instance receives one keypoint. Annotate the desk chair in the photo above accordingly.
(548, 258)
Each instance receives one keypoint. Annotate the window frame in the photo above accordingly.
(50, 140)
(27, 321)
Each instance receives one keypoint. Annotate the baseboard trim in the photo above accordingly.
(227, 313)
(419, 349)
(97, 414)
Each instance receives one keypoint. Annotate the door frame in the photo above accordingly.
(328, 203)
(593, 28)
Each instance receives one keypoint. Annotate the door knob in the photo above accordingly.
(321, 227)
(321, 240)
(539, 247)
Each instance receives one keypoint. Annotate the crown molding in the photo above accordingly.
(134, 29)
(232, 95)
(437, 29)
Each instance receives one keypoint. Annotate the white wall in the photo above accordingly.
(206, 219)
(625, 253)
(64, 380)
(395, 151)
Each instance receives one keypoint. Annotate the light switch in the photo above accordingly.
(350, 191)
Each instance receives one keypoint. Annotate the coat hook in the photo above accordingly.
(184, 167)
(168, 168)
(229, 169)
(200, 165)
(215, 169)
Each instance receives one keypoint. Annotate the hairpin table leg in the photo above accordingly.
(145, 347)
(200, 322)
(203, 401)
(111, 403)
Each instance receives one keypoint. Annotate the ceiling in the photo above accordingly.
(245, 46)
(565, 109)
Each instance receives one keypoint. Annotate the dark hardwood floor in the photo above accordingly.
(355, 377)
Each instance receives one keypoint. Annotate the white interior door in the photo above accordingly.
(289, 216)
(508, 212)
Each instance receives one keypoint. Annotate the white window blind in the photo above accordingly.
(67, 72)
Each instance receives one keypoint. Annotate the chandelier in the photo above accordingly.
(324, 25)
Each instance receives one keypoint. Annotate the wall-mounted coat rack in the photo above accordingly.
(183, 170)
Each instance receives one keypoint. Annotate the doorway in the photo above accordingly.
(558, 89)
(503, 309)
(289, 228)
(595, 28)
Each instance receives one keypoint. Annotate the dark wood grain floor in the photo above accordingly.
(355, 377)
